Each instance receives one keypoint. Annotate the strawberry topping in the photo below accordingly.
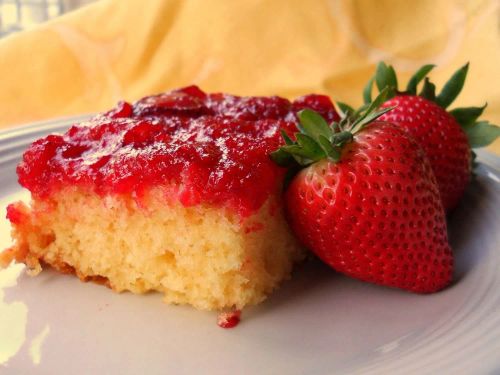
(213, 147)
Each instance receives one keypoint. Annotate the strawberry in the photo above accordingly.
(366, 202)
(446, 137)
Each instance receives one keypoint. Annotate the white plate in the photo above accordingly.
(317, 323)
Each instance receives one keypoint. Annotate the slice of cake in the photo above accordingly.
(175, 194)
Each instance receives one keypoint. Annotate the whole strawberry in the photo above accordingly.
(446, 137)
(367, 202)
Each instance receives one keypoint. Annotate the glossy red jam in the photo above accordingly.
(229, 319)
(214, 148)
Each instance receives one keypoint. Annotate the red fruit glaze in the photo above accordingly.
(215, 160)
(376, 215)
(249, 108)
(229, 319)
(122, 109)
(173, 103)
(319, 103)
(213, 148)
(15, 215)
(442, 139)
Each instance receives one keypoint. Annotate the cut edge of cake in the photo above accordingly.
(207, 257)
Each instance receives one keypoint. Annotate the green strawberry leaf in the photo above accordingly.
(453, 87)
(385, 76)
(332, 152)
(467, 116)
(296, 150)
(310, 148)
(358, 112)
(285, 136)
(381, 75)
(345, 109)
(342, 138)
(379, 100)
(317, 140)
(411, 88)
(393, 79)
(367, 91)
(371, 117)
(429, 90)
(369, 111)
(481, 134)
(313, 124)
(281, 157)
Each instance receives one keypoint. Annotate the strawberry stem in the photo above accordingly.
(319, 140)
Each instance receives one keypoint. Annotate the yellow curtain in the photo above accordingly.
(87, 60)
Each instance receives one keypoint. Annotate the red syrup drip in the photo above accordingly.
(229, 319)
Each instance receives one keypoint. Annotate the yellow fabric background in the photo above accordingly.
(113, 49)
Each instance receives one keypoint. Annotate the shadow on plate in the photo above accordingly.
(466, 223)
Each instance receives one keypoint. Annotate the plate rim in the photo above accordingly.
(25, 130)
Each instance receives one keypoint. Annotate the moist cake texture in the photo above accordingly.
(175, 193)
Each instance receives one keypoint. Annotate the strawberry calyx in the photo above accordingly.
(480, 133)
(318, 140)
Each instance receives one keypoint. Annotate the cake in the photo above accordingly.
(174, 193)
